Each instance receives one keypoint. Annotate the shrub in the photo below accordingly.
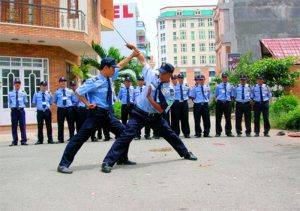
(291, 120)
(117, 109)
(284, 105)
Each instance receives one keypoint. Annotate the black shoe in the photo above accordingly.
(148, 138)
(106, 139)
(24, 144)
(137, 138)
(239, 135)
(64, 170)
(217, 135)
(267, 135)
(38, 142)
(190, 156)
(248, 135)
(51, 142)
(256, 135)
(60, 142)
(94, 140)
(187, 136)
(127, 162)
(230, 135)
(106, 168)
(198, 135)
(207, 136)
(12, 144)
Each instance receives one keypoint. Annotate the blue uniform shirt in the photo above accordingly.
(123, 94)
(138, 91)
(185, 92)
(77, 102)
(96, 88)
(153, 80)
(261, 91)
(198, 96)
(224, 93)
(22, 98)
(38, 100)
(238, 93)
(59, 97)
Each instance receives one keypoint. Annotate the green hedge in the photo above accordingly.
(117, 109)
(285, 113)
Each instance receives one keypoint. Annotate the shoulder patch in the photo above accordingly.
(95, 79)
(172, 92)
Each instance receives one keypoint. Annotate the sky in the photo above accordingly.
(149, 10)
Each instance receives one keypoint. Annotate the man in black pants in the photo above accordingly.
(126, 95)
(223, 93)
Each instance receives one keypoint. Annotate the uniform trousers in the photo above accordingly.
(243, 109)
(264, 109)
(46, 116)
(18, 118)
(201, 110)
(223, 107)
(62, 114)
(181, 114)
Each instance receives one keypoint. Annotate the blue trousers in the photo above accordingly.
(90, 125)
(136, 122)
(18, 118)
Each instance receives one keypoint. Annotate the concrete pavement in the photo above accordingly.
(231, 174)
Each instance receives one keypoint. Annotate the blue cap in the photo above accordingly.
(180, 75)
(166, 68)
(128, 79)
(141, 78)
(224, 75)
(73, 83)
(108, 61)
(260, 77)
(43, 83)
(174, 77)
(199, 77)
(243, 77)
(62, 79)
(17, 81)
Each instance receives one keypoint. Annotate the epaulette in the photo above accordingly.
(95, 79)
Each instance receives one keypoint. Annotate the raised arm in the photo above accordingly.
(125, 61)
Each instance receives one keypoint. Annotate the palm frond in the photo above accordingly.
(99, 50)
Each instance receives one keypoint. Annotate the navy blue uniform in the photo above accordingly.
(126, 95)
(100, 93)
(145, 114)
(17, 102)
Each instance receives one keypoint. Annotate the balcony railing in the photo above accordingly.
(41, 15)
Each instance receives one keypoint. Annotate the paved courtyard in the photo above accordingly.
(230, 174)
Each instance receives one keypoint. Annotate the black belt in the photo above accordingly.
(43, 110)
(64, 108)
(146, 113)
(201, 103)
(261, 102)
(16, 109)
(101, 109)
(225, 101)
(180, 101)
(248, 102)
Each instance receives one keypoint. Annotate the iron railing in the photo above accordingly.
(41, 15)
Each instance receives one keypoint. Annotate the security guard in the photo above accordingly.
(43, 100)
(173, 110)
(223, 93)
(155, 99)
(200, 95)
(242, 94)
(261, 96)
(181, 107)
(17, 99)
(137, 92)
(126, 95)
(63, 98)
(99, 90)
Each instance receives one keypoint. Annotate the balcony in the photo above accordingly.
(140, 28)
(42, 16)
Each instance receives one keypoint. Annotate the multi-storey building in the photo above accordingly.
(43, 39)
(186, 38)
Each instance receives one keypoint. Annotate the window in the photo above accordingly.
(182, 23)
(174, 36)
(192, 35)
(192, 23)
(163, 49)
(202, 59)
(211, 34)
(193, 47)
(212, 73)
(162, 37)
(175, 61)
(178, 13)
(211, 46)
(182, 35)
(183, 48)
(201, 22)
(212, 59)
(183, 72)
(197, 72)
(210, 22)
(202, 34)
(163, 60)
(175, 48)
(202, 47)
(183, 60)
(73, 8)
(174, 23)
(193, 60)
(162, 24)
